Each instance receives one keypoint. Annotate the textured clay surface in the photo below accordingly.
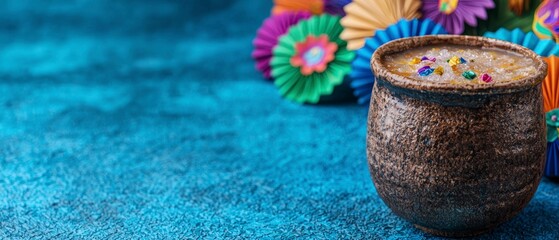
(455, 170)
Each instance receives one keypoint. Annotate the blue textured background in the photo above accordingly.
(139, 118)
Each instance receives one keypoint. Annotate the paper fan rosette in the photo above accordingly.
(546, 20)
(543, 47)
(311, 59)
(519, 6)
(550, 92)
(267, 38)
(313, 6)
(508, 14)
(454, 14)
(364, 17)
(362, 79)
(335, 7)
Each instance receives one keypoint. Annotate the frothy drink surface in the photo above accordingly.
(460, 65)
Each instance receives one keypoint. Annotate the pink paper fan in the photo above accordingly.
(268, 35)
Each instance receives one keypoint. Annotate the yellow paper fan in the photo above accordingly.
(364, 17)
(313, 6)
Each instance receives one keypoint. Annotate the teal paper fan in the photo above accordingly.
(529, 40)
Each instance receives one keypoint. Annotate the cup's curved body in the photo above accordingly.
(455, 162)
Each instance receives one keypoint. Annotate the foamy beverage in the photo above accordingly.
(460, 65)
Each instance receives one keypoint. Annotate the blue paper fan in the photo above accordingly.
(529, 40)
(551, 163)
(362, 78)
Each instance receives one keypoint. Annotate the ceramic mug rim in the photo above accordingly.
(399, 45)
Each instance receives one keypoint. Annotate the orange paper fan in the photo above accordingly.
(519, 6)
(364, 17)
(313, 6)
(551, 84)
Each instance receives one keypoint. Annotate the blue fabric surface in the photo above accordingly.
(146, 119)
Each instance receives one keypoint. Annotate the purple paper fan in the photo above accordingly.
(268, 35)
(452, 14)
(335, 7)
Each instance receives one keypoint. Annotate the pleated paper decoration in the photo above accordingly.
(550, 90)
(311, 59)
(364, 17)
(268, 35)
(519, 6)
(550, 85)
(335, 7)
(546, 20)
(552, 164)
(312, 6)
(505, 16)
(453, 14)
(362, 79)
(530, 40)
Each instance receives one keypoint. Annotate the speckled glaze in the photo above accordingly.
(455, 160)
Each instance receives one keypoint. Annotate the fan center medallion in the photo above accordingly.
(313, 54)
(448, 6)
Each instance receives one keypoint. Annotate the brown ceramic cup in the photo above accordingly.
(455, 160)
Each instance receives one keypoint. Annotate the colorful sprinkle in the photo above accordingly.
(425, 71)
(439, 70)
(470, 75)
(415, 60)
(425, 58)
(486, 78)
(462, 60)
(453, 61)
(554, 118)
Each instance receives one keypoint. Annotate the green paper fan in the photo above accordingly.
(311, 59)
(502, 17)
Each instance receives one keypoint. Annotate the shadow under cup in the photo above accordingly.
(455, 160)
